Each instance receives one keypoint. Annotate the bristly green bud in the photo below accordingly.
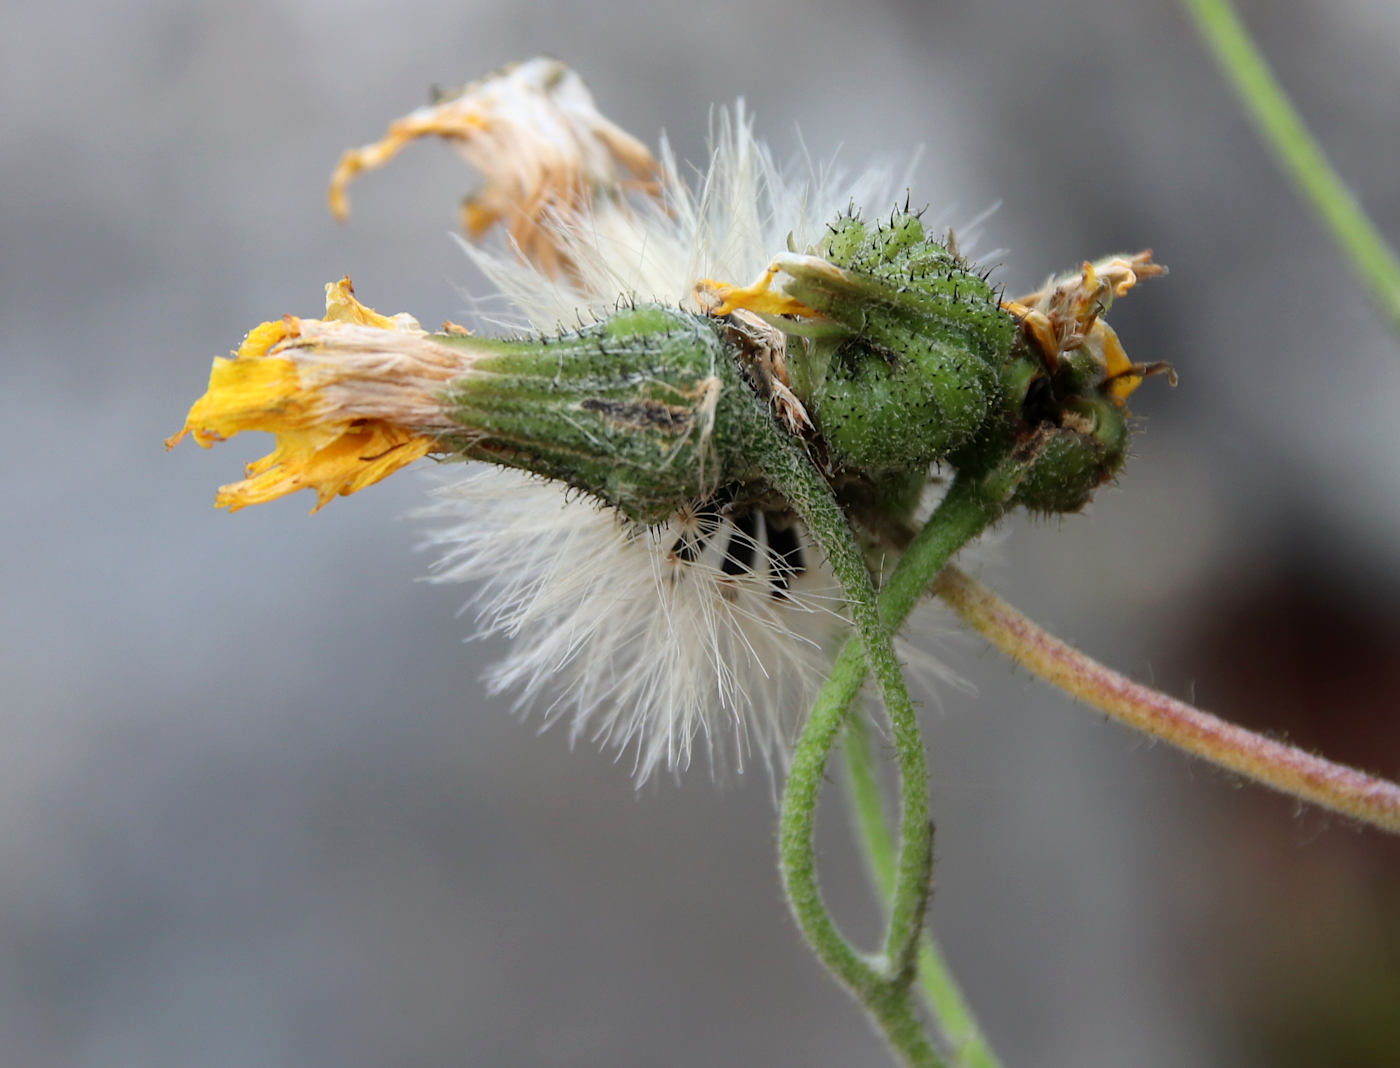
(904, 355)
(1070, 436)
(1063, 434)
(645, 410)
(1072, 460)
(1066, 383)
(903, 349)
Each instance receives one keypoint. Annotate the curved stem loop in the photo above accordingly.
(955, 1019)
(965, 511)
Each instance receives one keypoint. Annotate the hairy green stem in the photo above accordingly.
(970, 506)
(883, 990)
(945, 1000)
(965, 511)
(887, 1002)
(1297, 152)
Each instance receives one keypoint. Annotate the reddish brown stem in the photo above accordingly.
(1283, 767)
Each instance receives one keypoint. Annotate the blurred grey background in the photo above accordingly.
(254, 808)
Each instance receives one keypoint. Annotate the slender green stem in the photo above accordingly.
(805, 776)
(955, 1018)
(867, 807)
(1297, 152)
(884, 991)
(887, 1002)
(969, 506)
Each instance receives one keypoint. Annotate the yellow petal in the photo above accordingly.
(723, 298)
(251, 391)
(333, 462)
(317, 446)
(342, 307)
(1121, 376)
(1067, 313)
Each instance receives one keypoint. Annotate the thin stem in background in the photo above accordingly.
(1282, 767)
(1298, 153)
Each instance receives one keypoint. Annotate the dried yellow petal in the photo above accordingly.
(285, 379)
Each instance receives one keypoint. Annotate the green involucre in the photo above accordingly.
(911, 372)
(1068, 436)
(1074, 459)
(645, 411)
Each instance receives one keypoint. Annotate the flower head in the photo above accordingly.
(710, 626)
(660, 593)
(1066, 314)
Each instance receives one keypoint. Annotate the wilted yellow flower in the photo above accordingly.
(707, 632)
(350, 399)
(1067, 314)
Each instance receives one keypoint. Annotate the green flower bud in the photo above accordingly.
(903, 342)
(1065, 419)
(1070, 461)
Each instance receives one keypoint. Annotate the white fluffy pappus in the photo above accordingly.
(639, 636)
